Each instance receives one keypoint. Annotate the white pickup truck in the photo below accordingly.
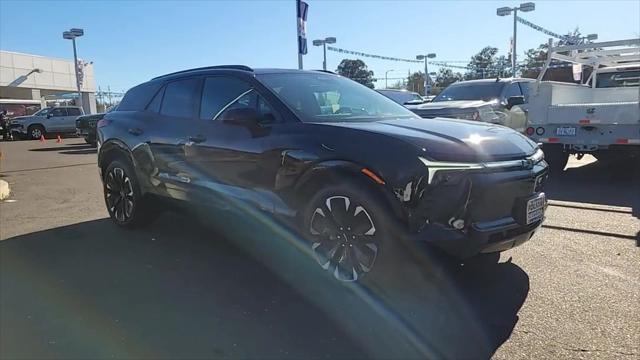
(600, 116)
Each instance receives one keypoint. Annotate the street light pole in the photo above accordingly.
(72, 34)
(386, 86)
(504, 11)
(513, 51)
(75, 66)
(426, 70)
(324, 42)
(324, 55)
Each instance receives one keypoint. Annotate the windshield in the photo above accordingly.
(471, 91)
(317, 97)
(401, 97)
(42, 112)
(618, 79)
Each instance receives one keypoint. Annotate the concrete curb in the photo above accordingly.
(4, 190)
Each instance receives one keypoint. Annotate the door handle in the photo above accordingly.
(197, 138)
(135, 131)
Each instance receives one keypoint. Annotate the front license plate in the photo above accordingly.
(535, 208)
(566, 131)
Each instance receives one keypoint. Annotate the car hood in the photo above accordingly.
(460, 104)
(21, 118)
(452, 140)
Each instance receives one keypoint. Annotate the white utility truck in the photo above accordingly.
(600, 116)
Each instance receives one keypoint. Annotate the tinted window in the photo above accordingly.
(512, 90)
(254, 101)
(180, 99)
(401, 97)
(58, 112)
(524, 86)
(73, 111)
(618, 79)
(218, 92)
(154, 105)
(267, 114)
(137, 98)
(486, 91)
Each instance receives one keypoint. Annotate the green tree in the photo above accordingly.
(535, 59)
(356, 70)
(446, 77)
(415, 82)
(481, 63)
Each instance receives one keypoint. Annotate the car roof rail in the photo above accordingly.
(216, 67)
(326, 71)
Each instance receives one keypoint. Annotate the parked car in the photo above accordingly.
(498, 101)
(403, 97)
(50, 120)
(356, 177)
(86, 127)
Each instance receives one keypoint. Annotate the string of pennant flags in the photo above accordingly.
(358, 53)
(540, 28)
(445, 64)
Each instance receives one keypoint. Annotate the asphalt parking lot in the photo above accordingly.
(72, 285)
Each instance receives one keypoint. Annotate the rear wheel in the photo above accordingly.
(35, 132)
(348, 231)
(125, 203)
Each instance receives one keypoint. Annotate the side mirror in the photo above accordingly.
(49, 116)
(515, 100)
(248, 117)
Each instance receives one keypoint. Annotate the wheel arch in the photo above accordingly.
(336, 171)
(111, 150)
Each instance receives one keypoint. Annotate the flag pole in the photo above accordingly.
(298, 25)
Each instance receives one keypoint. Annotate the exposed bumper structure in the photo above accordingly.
(482, 208)
(488, 237)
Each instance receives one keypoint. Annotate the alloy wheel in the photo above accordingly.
(119, 194)
(36, 133)
(344, 238)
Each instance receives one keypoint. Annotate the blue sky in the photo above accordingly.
(132, 41)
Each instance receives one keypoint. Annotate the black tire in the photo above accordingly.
(557, 159)
(126, 205)
(350, 232)
(34, 132)
(91, 141)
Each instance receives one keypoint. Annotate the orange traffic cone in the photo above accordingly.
(41, 138)
(59, 140)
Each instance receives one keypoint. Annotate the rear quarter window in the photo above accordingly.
(137, 98)
(73, 112)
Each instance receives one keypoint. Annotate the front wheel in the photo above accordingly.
(35, 132)
(348, 231)
(125, 203)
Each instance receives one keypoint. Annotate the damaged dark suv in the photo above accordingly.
(354, 172)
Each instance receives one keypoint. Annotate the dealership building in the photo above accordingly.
(49, 80)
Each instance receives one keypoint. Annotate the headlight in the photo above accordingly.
(470, 116)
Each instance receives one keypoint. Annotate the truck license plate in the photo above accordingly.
(566, 131)
(535, 208)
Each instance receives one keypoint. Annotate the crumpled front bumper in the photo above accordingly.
(487, 237)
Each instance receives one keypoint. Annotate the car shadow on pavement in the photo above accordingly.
(179, 289)
(82, 151)
(71, 147)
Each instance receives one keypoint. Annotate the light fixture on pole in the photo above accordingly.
(426, 70)
(323, 43)
(386, 86)
(504, 11)
(72, 34)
